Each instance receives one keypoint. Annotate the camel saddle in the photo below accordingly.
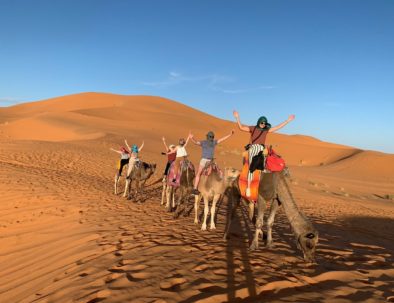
(185, 164)
(211, 167)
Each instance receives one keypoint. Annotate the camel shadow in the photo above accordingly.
(354, 255)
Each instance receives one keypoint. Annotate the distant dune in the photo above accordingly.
(93, 115)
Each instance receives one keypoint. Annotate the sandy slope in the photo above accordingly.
(64, 237)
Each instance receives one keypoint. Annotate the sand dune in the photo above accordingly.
(64, 236)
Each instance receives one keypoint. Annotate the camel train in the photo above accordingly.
(272, 187)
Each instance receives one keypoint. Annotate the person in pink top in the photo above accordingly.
(171, 156)
(258, 134)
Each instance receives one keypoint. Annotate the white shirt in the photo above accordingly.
(181, 152)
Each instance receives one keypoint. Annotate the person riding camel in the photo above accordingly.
(134, 150)
(257, 138)
(181, 154)
(124, 159)
(208, 149)
(171, 156)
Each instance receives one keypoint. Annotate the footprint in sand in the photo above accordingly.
(172, 284)
(98, 296)
(201, 267)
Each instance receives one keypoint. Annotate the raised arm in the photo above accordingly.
(240, 126)
(225, 137)
(164, 142)
(116, 151)
(194, 140)
(279, 126)
(128, 147)
(187, 140)
(141, 147)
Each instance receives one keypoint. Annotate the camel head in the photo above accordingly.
(307, 242)
(231, 174)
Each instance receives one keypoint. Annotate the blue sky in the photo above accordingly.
(331, 63)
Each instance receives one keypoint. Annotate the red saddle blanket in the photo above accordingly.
(184, 165)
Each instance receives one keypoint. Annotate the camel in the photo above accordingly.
(212, 186)
(141, 172)
(185, 185)
(275, 188)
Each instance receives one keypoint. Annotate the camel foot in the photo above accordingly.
(212, 227)
(204, 227)
(270, 245)
(253, 246)
(196, 221)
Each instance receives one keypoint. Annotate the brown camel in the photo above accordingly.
(141, 172)
(185, 185)
(275, 188)
(212, 186)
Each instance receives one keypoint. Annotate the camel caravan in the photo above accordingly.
(262, 180)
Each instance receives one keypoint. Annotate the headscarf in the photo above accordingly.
(134, 149)
(267, 125)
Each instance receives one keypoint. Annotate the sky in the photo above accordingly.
(329, 62)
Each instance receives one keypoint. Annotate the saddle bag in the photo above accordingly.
(274, 162)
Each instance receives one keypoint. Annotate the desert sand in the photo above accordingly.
(65, 237)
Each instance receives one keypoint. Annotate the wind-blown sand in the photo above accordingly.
(65, 237)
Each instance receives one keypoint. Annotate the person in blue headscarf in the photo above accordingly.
(257, 138)
(134, 150)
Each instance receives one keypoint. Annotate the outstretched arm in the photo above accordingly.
(279, 126)
(240, 126)
(141, 147)
(187, 140)
(128, 147)
(225, 137)
(164, 142)
(116, 151)
(194, 140)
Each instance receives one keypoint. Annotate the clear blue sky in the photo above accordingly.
(330, 62)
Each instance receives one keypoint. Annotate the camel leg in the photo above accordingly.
(206, 210)
(116, 183)
(259, 223)
(169, 197)
(197, 199)
(127, 187)
(137, 189)
(270, 221)
(250, 210)
(163, 193)
(213, 209)
(173, 191)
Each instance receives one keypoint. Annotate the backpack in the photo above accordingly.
(274, 162)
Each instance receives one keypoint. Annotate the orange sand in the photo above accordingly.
(64, 236)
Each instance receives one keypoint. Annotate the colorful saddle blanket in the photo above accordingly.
(243, 180)
(211, 167)
(185, 164)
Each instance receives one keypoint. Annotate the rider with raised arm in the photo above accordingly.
(208, 149)
(134, 150)
(258, 134)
